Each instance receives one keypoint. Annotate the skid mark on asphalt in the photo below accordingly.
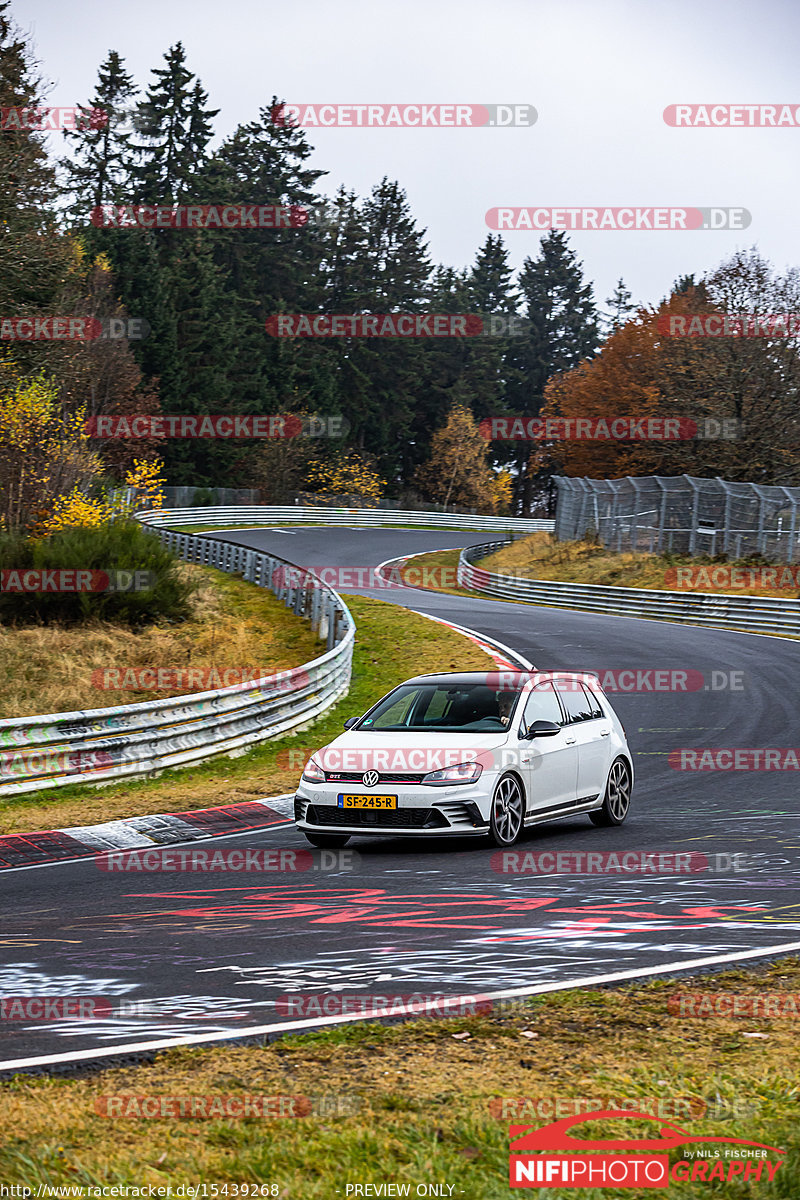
(381, 909)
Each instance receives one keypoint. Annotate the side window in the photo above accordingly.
(543, 705)
(594, 703)
(575, 700)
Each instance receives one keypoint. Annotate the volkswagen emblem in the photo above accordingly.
(370, 778)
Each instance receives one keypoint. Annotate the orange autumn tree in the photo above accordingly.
(750, 383)
(619, 382)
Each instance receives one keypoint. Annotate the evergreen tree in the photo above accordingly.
(258, 273)
(620, 308)
(490, 278)
(99, 171)
(563, 332)
(33, 257)
(490, 368)
(175, 124)
(377, 261)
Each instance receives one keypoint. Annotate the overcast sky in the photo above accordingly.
(599, 73)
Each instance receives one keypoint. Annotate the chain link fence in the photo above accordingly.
(681, 514)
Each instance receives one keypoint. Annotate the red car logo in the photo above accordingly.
(556, 1136)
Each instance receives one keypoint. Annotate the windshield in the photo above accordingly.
(446, 709)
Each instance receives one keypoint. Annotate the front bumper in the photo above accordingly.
(422, 814)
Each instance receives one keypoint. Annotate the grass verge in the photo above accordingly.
(391, 645)
(540, 556)
(382, 1112)
(234, 626)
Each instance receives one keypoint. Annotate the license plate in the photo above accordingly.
(348, 801)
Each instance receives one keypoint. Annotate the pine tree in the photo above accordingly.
(261, 272)
(33, 257)
(563, 332)
(490, 278)
(176, 128)
(376, 260)
(490, 365)
(620, 307)
(99, 171)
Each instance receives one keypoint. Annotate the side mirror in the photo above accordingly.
(351, 721)
(543, 729)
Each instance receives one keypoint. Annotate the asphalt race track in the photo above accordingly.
(191, 954)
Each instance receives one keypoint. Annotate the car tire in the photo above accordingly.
(508, 811)
(617, 799)
(327, 841)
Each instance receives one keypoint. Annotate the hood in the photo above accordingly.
(356, 750)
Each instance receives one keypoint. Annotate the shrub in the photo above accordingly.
(122, 546)
(204, 498)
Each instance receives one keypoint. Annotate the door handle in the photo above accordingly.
(569, 741)
(605, 733)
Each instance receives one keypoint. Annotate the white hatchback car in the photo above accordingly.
(478, 753)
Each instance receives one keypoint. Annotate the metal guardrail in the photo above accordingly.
(750, 614)
(289, 514)
(107, 744)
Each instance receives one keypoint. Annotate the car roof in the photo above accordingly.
(499, 674)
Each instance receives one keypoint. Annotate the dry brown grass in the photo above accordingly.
(540, 556)
(392, 644)
(49, 669)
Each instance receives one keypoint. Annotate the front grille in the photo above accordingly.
(383, 777)
(397, 818)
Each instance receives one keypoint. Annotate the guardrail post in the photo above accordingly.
(333, 625)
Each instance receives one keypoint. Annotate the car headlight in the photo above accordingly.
(466, 772)
(313, 772)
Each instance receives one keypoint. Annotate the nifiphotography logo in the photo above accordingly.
(550, 1156)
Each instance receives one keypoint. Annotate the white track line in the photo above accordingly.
(481, 637)
(350, 1018)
